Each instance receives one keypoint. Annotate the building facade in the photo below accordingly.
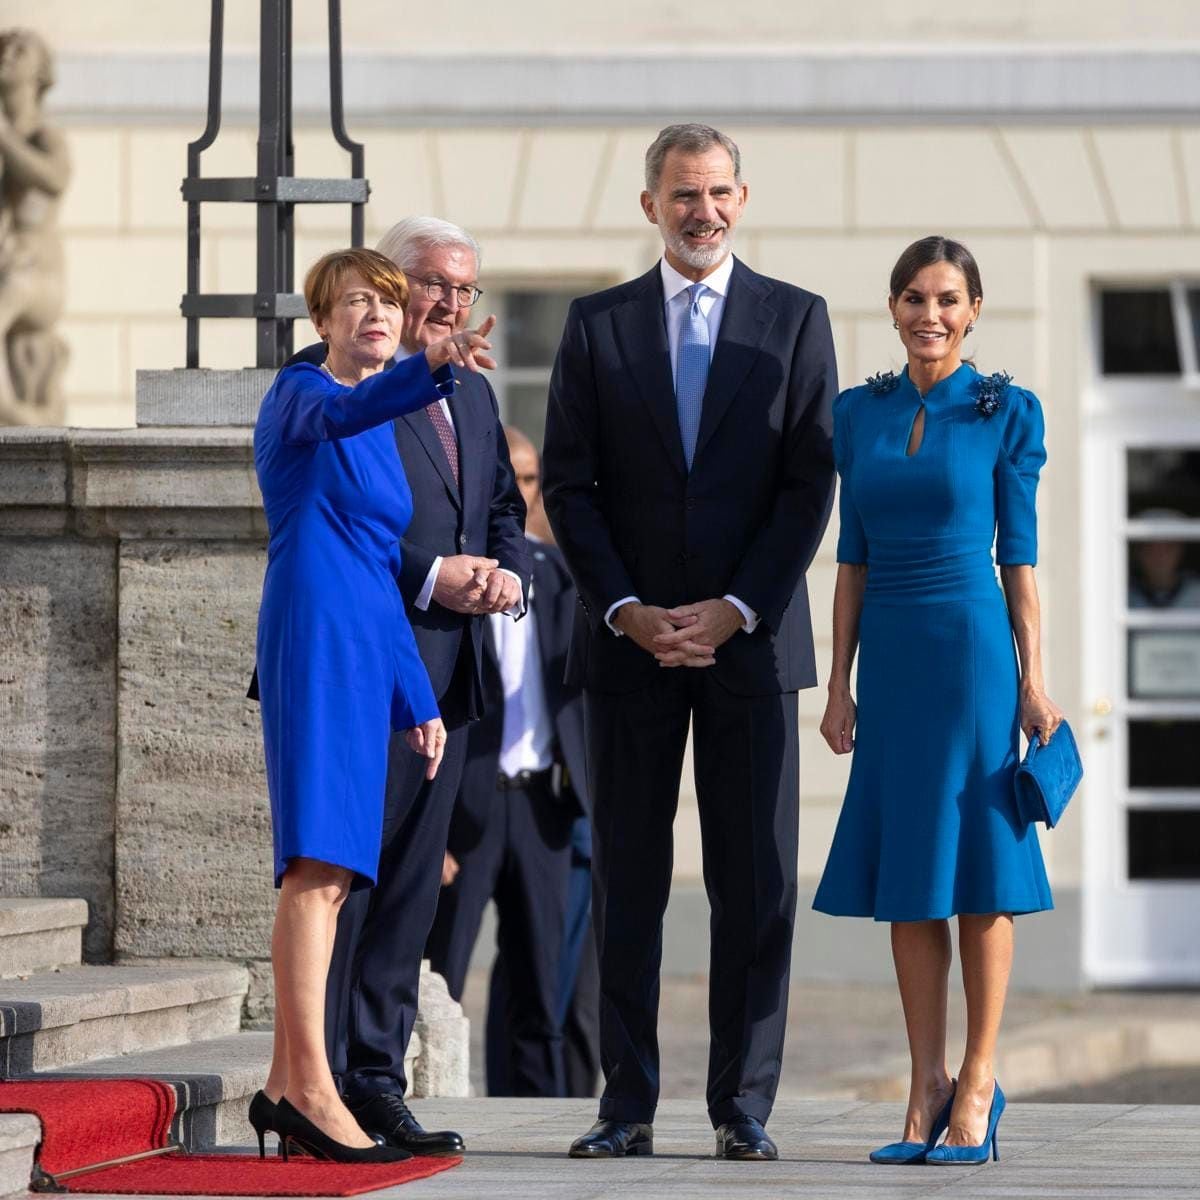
(1060, 141)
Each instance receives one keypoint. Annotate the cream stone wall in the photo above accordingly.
(829, 209)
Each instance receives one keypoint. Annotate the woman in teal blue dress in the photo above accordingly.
(936, 464)
(338, 667)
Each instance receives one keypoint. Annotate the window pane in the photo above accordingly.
(1162, 754)
(1164, 484)
(525, 407)
(1164, 664)
(533, 325)
(1164, 843)
(1137, 332)
(1164, 574)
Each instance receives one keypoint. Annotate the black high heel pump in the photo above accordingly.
(262, 1116)
(294, 1127)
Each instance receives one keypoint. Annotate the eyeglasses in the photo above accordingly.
(436, 290)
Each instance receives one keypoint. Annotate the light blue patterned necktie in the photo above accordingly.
(691, 371)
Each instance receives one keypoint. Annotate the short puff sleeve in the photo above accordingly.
(852, 538)
(1022, 454)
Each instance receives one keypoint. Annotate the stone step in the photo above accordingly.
(1057, 1052)
(19, 1137)
(213, 1080)
(80, 1014)
(40, 935)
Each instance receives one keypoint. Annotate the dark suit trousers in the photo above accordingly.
(746, 762)
(522, 862)
(371, 999)
(578, 995)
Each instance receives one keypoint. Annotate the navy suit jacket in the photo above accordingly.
(485, 517)
(553, 602)
(746, 520)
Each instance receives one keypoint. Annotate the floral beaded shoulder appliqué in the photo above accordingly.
(884, 382)
(990, 391)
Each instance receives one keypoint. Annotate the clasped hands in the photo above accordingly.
(469, 584)
(686, 636)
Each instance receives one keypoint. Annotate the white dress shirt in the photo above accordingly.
(425, 595)
(712, 306)
(527, 742)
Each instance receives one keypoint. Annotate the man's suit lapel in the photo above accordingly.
(472, 407)
(745, 323)
(422, 426)
(641, 334)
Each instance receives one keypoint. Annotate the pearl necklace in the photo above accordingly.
(339, 382)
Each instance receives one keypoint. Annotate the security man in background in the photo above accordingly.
(518, 832)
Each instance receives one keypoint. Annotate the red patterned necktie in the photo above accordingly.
(445, 435)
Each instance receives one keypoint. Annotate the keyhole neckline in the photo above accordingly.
(916, 431)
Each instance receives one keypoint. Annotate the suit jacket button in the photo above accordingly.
(682, 560)
(462, 539)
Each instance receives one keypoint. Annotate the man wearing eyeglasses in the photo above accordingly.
(464, 556)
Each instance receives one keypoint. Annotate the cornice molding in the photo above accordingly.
(849, 85)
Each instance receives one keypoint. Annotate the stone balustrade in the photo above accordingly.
(131, 773)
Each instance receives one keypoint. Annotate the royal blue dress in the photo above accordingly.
(929, 825)
(338, 667)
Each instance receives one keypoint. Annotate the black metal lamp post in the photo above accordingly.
(274, 189)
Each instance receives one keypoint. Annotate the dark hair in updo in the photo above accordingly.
(930, 250)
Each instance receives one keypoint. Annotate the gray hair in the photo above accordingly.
(691, 139)
(406, 239)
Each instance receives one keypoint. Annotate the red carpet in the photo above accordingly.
(245, 1175)
(85, 1122)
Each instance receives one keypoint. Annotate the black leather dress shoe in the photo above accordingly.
(745, 1140)
(389, 1116)
(614, 1139)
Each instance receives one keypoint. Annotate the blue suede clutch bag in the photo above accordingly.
(1048, 777)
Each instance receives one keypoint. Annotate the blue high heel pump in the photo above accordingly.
(974, 1154)
(912, 1154)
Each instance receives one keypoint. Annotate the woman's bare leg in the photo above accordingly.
(921, 952)
(985, 944)
(276, 1083)
(301, 948)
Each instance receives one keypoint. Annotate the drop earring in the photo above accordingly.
(895, 324)
(970, 326)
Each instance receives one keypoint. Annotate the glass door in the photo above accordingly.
(1142, 814)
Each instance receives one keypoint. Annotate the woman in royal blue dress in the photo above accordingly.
(338, 667)
(935, 464)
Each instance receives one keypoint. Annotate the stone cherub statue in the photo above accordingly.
(33, 175)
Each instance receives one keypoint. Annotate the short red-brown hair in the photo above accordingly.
(326, 275)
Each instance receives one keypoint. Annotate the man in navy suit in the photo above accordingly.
(689, 476)
(511, 836)
(464, 556)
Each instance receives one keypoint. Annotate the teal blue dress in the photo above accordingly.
(929, 826)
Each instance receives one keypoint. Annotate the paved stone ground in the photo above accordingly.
(516, 1148)
(835, 1030)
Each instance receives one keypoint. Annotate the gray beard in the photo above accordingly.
(699, 257)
